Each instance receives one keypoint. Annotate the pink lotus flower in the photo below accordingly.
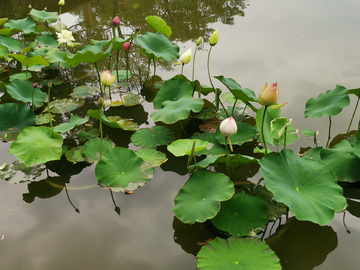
(116, 21)
(126, 46)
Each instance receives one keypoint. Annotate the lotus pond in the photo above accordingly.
(112, 154)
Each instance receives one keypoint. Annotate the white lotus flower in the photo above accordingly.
(65, 37)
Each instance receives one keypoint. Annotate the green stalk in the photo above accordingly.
(232, 111)
(60, 19)
(99, 78)
(193, 73)
(48, 106)
(285, 136)
(127, 65)
(352, 118)
(117, 66)
(262, 130)
(109, 92)
(100, 128)
(227, 155)
(182, 69)
(329, 136)
(32, 97)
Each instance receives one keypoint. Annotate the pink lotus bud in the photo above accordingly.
(50, 84)
(106, 78)
(35, 85)
(101, 101)
(228, 127)
(116, 21)
(269, 95)
(137, 29)
(126, 46)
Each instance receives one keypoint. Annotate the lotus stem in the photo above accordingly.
(110, 92)
(227, 155)
(232, 111)
(242, 116)
(329, 136)
(152, 84)
(193, 73)
(117, 65)
(101, 132)
(127, 65)
(352, 118)
(60, 19)
(48, 106)
(182, 69)
(285, 136)
(32, 98)
(99, 78)
(262, 130)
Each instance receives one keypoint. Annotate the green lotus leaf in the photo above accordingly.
(63, 105)
(172, 90)
(87, 133)
(127, 100)
(158, 24)
(184, 147)
(22, 90)
(203, 164)
(235, 160)
(121, 74)
(30, 61)
(343, 161)
(16, 115)
(242, 215)
(47, 40)
(357, 144)
(313, 154)
(199, 199)
(271, 114)
(278, 126)
(121, 169)
(23, 76)
(330, 103)
(3, 20)
(25, 25)
(113, 121)
(4, 53)
(17, 172)
(89, 54)
(244, 133)
(151, 156)
(214, 147)
(43, 118)
(74, 121)
(91, 149)
(42, 16)
(36, 145)
(12, 44)
(174, 111)
(55, 55)
(158, 45)
(84, 91)
(308, 132)
(152, 137)
(243, 94)
(301, 185)
(6, 32)
(355, 92)
(237, 253)
(75, 154)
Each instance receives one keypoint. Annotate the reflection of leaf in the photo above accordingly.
(63, 105)
(237, 253)
(200, 197)
(17, 172)
(301, 185)
(114, 121)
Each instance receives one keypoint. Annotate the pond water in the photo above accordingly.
(307, 47)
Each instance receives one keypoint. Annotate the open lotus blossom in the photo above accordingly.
(65, 37)
(269, 96)
(228, 127)
(106, 78)
(214, 38)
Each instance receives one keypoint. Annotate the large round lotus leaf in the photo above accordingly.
(243, 94)
(242, 215)
(48, 40)
(158, 24)
(30, 61)
(151, 156)
(74, 121)
(199, 199)
(23, 76)
(158, 45)
(308, 187)
(174, 111)
(36, 145)
(172, 90)
(244, 133)
(184, 147)
(55, 55)
(12, 44)
(237, 253)
(22, 90)
(329, 103)
(26, 25)
(90, 54)
(91, 149)
(343, 162)
(122, 169)
(42, 16)
(214, 147)
(114, 121)
(271, 114)
(16, 115)
(152, 137)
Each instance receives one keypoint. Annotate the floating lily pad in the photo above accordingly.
(330, 103)
(151, 156)
(74, 121)
(17, 115)
(200, 197)
(91, 149)
(121, 169)
(237, 253)
(126, 100)
(184, 147)
(121, 74)
(158, 24)
(17, 172)
(152, 137)
(84, 91)
(63, 105)
(75, 154)
(43, 118)
(36, 145)
(87, 133)
(174, 111)
(114, 121)
(343, 162)
(242, 215)
(158, 45)
(22, 90)
(301, 185)
(25, 25)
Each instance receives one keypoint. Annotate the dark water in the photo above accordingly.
(306, 46)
